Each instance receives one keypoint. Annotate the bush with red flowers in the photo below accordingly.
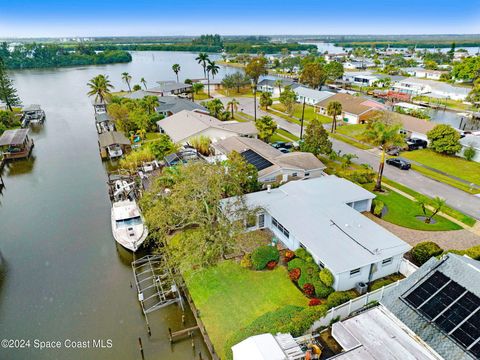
(309, 290)
(314, 302)
(271, 265)
(294, 274)
(289, 255)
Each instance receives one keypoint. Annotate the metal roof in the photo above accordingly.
(175, 104)
(112, 137)
(13, 137)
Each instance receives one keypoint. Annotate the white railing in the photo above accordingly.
(345, 310)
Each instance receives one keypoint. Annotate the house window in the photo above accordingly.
(355, 272)
(294, 174)
(321, 264)
(261, 221)
(307, 174)
(387, 262)
(280, 227)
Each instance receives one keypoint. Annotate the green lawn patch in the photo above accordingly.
(287, 134)
(246, 116)
(454, 104)
(467, 220)
(202, 95)
(230, 297)
(452, 165)
(403, 212)
(350, 141)
(353, 130)
(297, 112)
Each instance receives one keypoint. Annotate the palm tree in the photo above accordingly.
(385, 134)
(150, 103)
(144, 82)
(437, 204)
(212, 68)
(334, 109)
(100, 87)
(176, 69)
(202, 59)
(278, 83)
(127, 78)
(233, 105)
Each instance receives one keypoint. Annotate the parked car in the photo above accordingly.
(394, 151)
(415, 144)
(282, 144)
(399, 163)
(284, 150)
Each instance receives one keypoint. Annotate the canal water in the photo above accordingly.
(64, 278)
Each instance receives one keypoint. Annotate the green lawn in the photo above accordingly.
(244, 92)
(353, 130)
(454, 104)
(230, 297)
(350, 141)
(246, 116)
(309, 112)
(452, 165)
(201, 95)
(287, 134)
(403, 212)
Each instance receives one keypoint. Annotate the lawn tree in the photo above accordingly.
(254, 69)
(334, 70)
(346, 160)
(143, 82)
(233, 106)
(334, 109)
(288, 98)
(444, 139)
(468, 69)
(313, 75)
(384, 132)
(437, 204)
(183, 213)
(215, 107)
(266, 127)
(176, 69)
(235, 81)
(316, 139)
(202, 59)
(278, 83)
(212, 68)
(266, 100)
(126, 77)
(246, 174)
(162, 147)
(8, 94)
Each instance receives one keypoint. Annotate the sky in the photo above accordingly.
(61, 18)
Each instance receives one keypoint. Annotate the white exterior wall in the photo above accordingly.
(362, 205)
(286, 173)
(308, 100)
(351, 118)
(214, 134)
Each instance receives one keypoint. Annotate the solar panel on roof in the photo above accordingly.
(256, 160)
(451, 307)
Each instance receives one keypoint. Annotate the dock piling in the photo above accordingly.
(141, 347)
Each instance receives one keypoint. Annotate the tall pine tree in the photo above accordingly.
(8, 94)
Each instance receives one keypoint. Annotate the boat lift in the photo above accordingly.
(156, 287)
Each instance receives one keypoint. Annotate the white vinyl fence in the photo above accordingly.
(345, 310)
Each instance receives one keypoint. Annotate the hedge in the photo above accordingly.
(288, 319)
(262, 255)
(423, 251)
(338, 298)
(326, 277)
(309, 275)
(473, 252)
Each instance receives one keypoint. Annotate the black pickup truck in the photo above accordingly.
(415, 144)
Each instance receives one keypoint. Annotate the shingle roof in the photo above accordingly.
(313, 94)
(462, 270)
(186, 124)
(112, 137)
(169, 86)
(13, 137)
(340, 236)
(102, 117)
(175, 104)
(350, 104)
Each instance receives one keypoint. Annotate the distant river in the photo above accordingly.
(65, 276)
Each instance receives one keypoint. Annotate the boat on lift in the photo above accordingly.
(128, 224)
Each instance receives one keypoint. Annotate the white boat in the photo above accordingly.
(128, 225)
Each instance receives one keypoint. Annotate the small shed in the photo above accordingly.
(103, 122)
(16, 144)
(113, 144)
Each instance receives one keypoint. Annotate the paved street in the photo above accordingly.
(456, 198)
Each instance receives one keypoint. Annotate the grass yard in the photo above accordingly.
(454, 104)
(244, 91)
(350, 141)
(230, 297)
(244, 115)
(452, 165)
(201, 95)
(309, 112)
(403, 212)
(353, 130)
(287, 134)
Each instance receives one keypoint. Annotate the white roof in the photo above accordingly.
(313, 94)
(471, 140)
(436, 85)
(125, 210)
(409, 106)
(378, 334)
(258, 347)
(315, 212)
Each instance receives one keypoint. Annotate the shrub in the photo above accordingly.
(301, 253)
(423, 251)
(444, 139)
(326, 277)
(469, 153)
(338, 298)
(380, 283)
(289, 255)
(378, 206)
(309, 273)
(314, 302)
(308, 289)
(271, 265)
(296, 263)
(262, 255)
(294, 274)
(473, 252)
(246, 261)
(321, 290)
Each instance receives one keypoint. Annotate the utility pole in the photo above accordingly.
(303, 115)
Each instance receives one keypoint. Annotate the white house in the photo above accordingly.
(473, 141)
(185, 125)
(431, 88)
(323, 215)
(311, 96)
(269, 85)
(360, 78)
(420, 72)
(271, 163)
(268, 347)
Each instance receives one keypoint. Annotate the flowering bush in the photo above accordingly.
(262, 255)
(271, 265)
(289, 255)
(294, 274)
(309, 290)
(246, 261)
(314, 302)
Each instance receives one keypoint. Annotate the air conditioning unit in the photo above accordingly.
(361, 288)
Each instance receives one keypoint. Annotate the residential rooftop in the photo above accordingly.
(351, 104)
(13, 137)
(174, 104)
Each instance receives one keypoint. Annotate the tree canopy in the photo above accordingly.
(266, 127)
(316, 139)
(444, 139)
(313, 75)
(8, 93)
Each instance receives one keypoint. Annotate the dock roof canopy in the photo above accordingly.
(111, 138)
(13, 137)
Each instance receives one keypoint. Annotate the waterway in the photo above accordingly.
(64, 277)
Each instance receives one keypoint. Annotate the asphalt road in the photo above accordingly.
(455, 198)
